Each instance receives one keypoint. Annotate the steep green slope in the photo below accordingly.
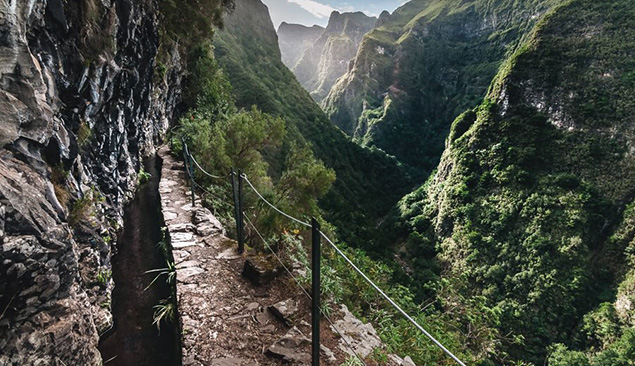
(368, 182)
(426, 63)
(532, 204)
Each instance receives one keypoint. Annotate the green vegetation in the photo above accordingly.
(106, 305)
(97, 28)
(268, 146)
(352, 361)
(190, 25)
(103, 277)
(83, 209)
(427, 63)
(192, 21)
(164, 312)
(143, 176)
(528, 209)
(368, 182)
(84, 134)
(221, 137)
(519, 247)
(59, 177)
(169, 272)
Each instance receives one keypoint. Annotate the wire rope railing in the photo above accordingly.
(391, 301)
(204, 171)
(367, 279)
(244, 176)
(239, 218)
(215, 196)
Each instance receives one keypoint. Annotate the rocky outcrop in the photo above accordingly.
(320, 65)
(362, 337)
(80, 103)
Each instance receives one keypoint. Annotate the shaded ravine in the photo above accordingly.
(134, 340)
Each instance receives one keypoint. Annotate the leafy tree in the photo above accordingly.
(206, 87)
(246, 135)
(236, 141)
(304, 181)
(560, 356)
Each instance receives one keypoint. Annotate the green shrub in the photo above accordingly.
(83, 209)
(192, 21)
(103, 277)
(164, 312)
(84, 134)
(143, 176)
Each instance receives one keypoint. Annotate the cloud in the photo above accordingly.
(318, 9)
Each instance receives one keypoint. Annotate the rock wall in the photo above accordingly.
(86, 90)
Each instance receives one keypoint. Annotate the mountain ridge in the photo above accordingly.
(295, 39)
(425, 64)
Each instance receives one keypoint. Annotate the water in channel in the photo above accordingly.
(134, 340)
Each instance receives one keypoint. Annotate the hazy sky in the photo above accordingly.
(309, 12)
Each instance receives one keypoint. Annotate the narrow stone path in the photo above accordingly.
(226, 319)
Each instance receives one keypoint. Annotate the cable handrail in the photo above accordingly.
(204, 171)
(391, 301)
(381, 292)
(244, 176)
(303, 290)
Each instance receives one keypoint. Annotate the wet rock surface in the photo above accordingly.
(79, 107)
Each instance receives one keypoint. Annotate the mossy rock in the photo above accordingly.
(261, 270)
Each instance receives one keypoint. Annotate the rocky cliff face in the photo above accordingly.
(81, 102)
(295, 39)
(422, 66)
(321, 64)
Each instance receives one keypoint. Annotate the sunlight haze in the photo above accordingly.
(310, 12)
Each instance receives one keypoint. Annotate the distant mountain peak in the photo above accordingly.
(383, 18)
(319, 61)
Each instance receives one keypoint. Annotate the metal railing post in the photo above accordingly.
(188, 168)
(240, 225)
(236, 203)
(315, 292)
